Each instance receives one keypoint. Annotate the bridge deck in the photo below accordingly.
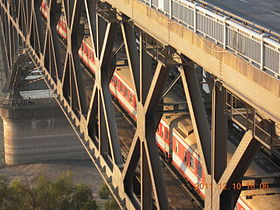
(263, 12)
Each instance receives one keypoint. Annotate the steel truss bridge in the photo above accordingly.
(92, 118)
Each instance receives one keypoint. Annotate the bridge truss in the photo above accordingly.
(92, 115)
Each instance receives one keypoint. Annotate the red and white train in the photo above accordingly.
(174, 136)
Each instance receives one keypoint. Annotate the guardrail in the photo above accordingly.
(257, 48)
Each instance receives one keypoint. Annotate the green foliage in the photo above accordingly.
(45, 195)
(111, 205)
(104, 192)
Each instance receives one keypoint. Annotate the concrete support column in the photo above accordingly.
(36, 131)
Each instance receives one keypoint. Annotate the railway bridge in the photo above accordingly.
(241, 66)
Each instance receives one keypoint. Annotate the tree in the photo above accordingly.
(111, 205)
(104, 192)
(45, 195)
(82, 198)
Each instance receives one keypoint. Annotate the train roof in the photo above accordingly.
(183, 126)
(124, 73)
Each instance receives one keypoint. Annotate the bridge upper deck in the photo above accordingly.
(262, 12)
(251, 84)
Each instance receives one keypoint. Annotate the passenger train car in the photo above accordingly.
(175, 136)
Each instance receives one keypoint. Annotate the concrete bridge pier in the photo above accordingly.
(36, 130)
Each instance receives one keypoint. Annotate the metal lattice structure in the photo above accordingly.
(92, 117)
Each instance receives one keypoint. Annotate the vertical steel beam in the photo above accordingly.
(90, 7)
(100, 34)
(219, 142)
(132, 55)
(145, 70)
(3, 47)
(51, 54)
(129, 170)
(147, 133)
(219, 126)
(199, 121)
(103, 134)
(146, 185)
(92, 113)
(3, 53)
(74, 82)
(198, 113)
(105, 74)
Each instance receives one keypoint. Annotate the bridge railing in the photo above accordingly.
(257, 48)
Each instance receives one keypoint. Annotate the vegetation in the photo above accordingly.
(45, 195)
(111, 204)
(61, 194)
(104, 192)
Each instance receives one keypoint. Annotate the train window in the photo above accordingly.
(113, 80)
(121, 87)
(125, 92)
(116, 83)
(199, 171)
(177, 147)
(190, 132)
(134, 101)
(131, 98)
(86, 50)
(186, 156)
(166, 133)
(191, 162)
(90, 55)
